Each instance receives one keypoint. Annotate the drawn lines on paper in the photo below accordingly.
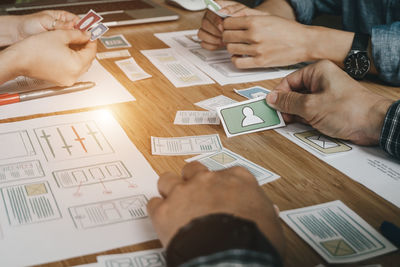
(30, 203)
(109, 212)
(71, 141)
(18, 145)
(21, 170)
(322, 143)
(151, 259)
(93, 174)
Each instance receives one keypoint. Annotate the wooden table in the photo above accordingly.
(305, 180)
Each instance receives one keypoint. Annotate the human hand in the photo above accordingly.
(325, 97)
(45, 21)
(199, 192)
(265, 41)
(49, 56)
(211, 28)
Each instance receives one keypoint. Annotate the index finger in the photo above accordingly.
(191, 169)
(88, 52)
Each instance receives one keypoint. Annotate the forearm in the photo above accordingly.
(279, 8)
(8, 30)
(221, 239)
(9, 65)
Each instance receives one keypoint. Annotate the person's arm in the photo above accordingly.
(281, 8)
(221, 239)
(390, 135)
(8, 30)
(9, 65)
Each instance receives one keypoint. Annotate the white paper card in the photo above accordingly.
(187, 145)
(178, 70)
(153, 257)
(213, 103)
(337, 233)
(253, 92)
(71, 185)
(132, 70)
(113, 54)
(96, 96)
(192, 117)
(225, 159)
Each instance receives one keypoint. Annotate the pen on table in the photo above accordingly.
(6, 99)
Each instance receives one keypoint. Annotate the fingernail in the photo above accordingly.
(272, 97)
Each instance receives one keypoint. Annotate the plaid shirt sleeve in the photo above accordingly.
(390, 135)
(221, 240)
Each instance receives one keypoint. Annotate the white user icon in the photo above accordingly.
(249, 117)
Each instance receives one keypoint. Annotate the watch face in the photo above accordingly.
(357, 65)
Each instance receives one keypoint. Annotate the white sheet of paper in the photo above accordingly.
(369, 166)
(225, 159)
(178, 70)
(192, 117)
(113, 54)
(96, 96)
(337, 233)
(153, 257)
(213, 103)
(217, 64)
(186, 145)
(71, 185)
(95, 264)
(132, 70)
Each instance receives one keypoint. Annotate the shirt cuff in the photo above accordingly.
(218, 233)
(390, 135)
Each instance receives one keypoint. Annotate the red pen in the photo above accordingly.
(6, 99)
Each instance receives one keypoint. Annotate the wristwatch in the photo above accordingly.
(357, 62)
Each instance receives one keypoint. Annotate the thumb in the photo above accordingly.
(288, 102)
(75, 36)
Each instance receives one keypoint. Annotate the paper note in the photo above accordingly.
(96, 96)
(187, 145)
(211, 104)
(248, 117)
(71, 185)
(113, 54)
(132, 70)
(337, 233)
(150, 258)
(188, 117)
(178, 70)
(115, 41)
(373, 164)
(225, 159)
(217, 64)
(253, 92)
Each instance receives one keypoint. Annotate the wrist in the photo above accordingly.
(9, 27)
(376, 116)
(326, 43)
(10, 65)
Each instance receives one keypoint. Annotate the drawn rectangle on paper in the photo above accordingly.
(21, 170)
(109, 212)
(18, 145)
(207, 55)
(322, 143)
(72, 141)
(93, 174)
(146, 258)
(225, 159)
(30, 203)
(186, 145)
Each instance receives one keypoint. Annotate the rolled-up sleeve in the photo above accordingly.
(385, 41)
(306, 10)
(390, 135)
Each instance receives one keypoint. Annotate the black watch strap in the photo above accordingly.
(360, 42)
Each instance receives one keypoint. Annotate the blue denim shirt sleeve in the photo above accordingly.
(306, 10)
(385, 41)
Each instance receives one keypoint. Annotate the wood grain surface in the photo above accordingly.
(305, 180)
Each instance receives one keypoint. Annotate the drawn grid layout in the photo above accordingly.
(71, 141)
(18, 145)
(21, 170)
(30, 203)
(150, 259)
(109, 212)
(92, 174)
